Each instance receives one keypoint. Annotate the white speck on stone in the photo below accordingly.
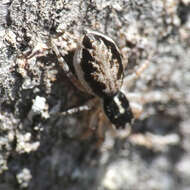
(10, 37)
(24, 177)
(39, 104)
(117, 6)
(24, 144)
(76, 174)
(186, 1)
(39, 107)
(10, 136)
(183, 168)
(3, 164)
(117, 175)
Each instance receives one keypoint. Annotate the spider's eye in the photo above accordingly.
(117, 109)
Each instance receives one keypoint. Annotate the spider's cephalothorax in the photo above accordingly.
(98, 66)
(117, 109)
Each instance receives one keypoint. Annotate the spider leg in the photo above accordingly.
(129, 80)
(88, 106)
(96, 123)
(146, 97)
(64, 46)
(137, 109)
(28, 58)
(137, 100)
(91, 124)
(39, 49)
(75, 110)
(136, 103)
(100, 129)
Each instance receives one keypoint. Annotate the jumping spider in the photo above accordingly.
(99, 71)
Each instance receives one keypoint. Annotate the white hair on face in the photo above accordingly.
(119, 104)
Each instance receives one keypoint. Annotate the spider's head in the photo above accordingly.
(118, 110)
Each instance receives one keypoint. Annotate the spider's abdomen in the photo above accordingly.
(98, 64)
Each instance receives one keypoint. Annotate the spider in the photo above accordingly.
(99, 71)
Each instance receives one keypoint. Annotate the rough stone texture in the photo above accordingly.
(40, 152)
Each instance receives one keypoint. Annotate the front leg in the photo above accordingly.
(64, 46)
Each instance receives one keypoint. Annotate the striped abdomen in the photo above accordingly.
(98, 64)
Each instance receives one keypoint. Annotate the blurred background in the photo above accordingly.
(39, 151)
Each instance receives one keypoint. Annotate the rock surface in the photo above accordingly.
(39, 151)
